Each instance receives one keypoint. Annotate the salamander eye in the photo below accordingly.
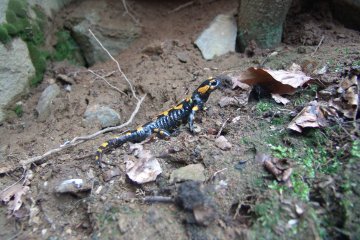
(213, 83)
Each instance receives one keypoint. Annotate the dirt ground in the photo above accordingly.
(114, 209)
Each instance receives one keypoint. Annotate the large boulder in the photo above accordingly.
(115, 30)
(16, 69)
(3, 8)
(50, 7)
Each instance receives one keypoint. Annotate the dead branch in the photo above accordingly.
(222, 127)
(77, 140)
(181, 7)
(137, 22)
(103, 78)
(318, 46)
(117, 64)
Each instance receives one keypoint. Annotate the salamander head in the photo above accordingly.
(208, 86)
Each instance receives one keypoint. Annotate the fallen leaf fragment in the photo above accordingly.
(280, 99)
(142, 168)
(280, 168)
(13, 196)
(311, 116)
(347, 102)
(222, 143)
(275, 81)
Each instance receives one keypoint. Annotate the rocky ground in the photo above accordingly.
(233, 196)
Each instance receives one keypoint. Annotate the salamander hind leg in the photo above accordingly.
(100, 152)
(162, 133)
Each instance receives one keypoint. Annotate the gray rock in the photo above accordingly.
(50, 7)
(219, 38)
(106, 116)
(43, 107)
(16, 69)
(194, 172)
(3, 8)
(116, 35)
(183, 57)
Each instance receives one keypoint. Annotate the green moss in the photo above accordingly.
(66, 48)
(18, 110)
(38, 59)
(4, 36)
(10, 28)
(19, 7)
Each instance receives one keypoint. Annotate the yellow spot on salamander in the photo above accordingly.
(165, 113)
(156, 130)
(180, 106)
(203, 89)
(195, 108)
(99, 150)
(139, 129)
(187, 99)
(128, 133)
(105, 144)
(97, 158)
(161, 132)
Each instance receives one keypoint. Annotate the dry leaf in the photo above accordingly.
(280, 99)
(311, 116)
(348, 101)
(144, 167)
(16, 192)
(280, 168)
(275, 81)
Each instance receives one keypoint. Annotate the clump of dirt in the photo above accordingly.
(115, 207)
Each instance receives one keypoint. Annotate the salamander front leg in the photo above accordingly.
(191, 118)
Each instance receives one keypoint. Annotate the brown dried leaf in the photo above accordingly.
(144, 168)
(275, 81)
(16, 191)
(280, 99)
(348, 101)
(280, 168)
(311, 116)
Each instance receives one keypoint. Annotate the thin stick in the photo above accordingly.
(222, 127)
(181, 7)
(318, 46)
(103, 78)
(130, 14)
(77, 140)
(118, 65)
(151, 199)
(22, 176)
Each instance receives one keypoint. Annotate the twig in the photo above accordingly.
(181, 7)
(222, 127)
(318, 46)
(151, 199)
(118, 65)
(22, 176)
(77, 140)
(130, 14)
(103, 78)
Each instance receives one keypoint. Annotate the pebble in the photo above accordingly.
(109, 174)
(183, 57)
(43, 107)
(222, 143)
(194, 172)
(107, 117)
(219, 38)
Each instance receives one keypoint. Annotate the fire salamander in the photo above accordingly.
(167, 121)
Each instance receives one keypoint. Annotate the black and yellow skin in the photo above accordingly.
(167, 121)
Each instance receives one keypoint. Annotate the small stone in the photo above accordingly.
(219, 38)
(65, 79)
(107, 117)
(194, 172)
(183, 57)
(301, 50)
(108, 175)
(67, 87)
(43, 107)
(222, 143)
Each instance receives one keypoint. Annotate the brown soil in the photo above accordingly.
(152, 65)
